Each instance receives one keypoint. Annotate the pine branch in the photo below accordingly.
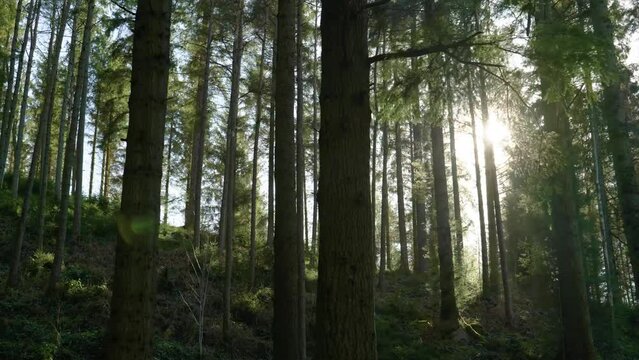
(415, 52)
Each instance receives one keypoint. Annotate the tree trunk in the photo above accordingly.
(238, 48)
(70, 153)
(575, 316)
(419, 195)
(489, 160)
(401, 211)
(485, 282)
(286, 335)
(615, 112)
(167, 179)
(256, 142)
(200, 131)
(130, 330)
(345, 293)
(16, 87)
(384, 221)
(68, 84)
(300, 176)
(6, 121)
(459, 234)
(78, 171)
(93, 146)
(448, 315)
(17, 152)
(313, 254)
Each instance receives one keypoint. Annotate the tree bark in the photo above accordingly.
(575, 316)
(616, 114)
(401, 211)
(130, 330)
(286, 336)
(345, 295)
(448, 315)
(384, 221)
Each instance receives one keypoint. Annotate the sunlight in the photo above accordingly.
(497, 132)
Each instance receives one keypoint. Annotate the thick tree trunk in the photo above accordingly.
(459, 233)
(345, 295)
(286, 336)
(575, 316)
(615, 112)
(448, 315)
(300, 177)
(238, 50)
(401, 211)
(256, 142)
(72, 155)
(485, 282)
(130, 330)
(17, 152)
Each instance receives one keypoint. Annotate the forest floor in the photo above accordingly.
(70, 325)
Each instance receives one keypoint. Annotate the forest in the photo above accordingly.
(319, 179)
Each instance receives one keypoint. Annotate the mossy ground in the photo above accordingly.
(71, 323)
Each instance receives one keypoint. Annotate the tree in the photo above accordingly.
(401, 212)
(256, 140)
(72, 153)
(577, 337)
(227, 232)
(614, 108)
(345, 299)
(459, 233)
(448, 315)
(41, 137)
(130, 329)
(286, 316)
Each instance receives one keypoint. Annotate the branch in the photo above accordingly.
(376, 3)
(470, 62)
(122, 8)
(408, 53)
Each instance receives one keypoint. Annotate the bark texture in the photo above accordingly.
(130, 330)
(345, 296)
